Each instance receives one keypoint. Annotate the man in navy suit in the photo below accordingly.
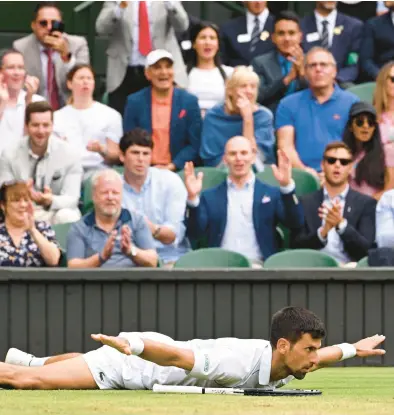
(338, 33)
(243, 38)
(171, 115)
(241, 214)
(378, 43)
(338, 220)
(281, 71)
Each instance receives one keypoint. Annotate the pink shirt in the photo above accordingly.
(387, 135)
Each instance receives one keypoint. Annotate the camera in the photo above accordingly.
(57, 26)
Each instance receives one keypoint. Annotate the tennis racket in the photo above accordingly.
(231, 391)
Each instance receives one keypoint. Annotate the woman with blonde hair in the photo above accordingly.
(24, 242)
(384, 104)
(238, 115)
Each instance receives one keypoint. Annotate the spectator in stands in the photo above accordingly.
(50, 165)
(377, 47)
(281, 70)
(242, 213)
(24, 242)
(135, 28)
(239, 115)
(338, 220)
(385, 220)
(373, 171)
(308, 120)
(338, 33)
(159, 195)
(92, 128)
(207, 76)
(110, 237)
(384, 103)
(170, 114)
(17, 89)
(50, 53)
(248, 36)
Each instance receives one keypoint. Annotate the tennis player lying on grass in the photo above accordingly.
(139, 360)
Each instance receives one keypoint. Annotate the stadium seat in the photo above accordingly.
(212, 176)
(213, 258)
(363, 263)
(61, 232)
(364, 91)
(305, 182)
(104, 98)
(300, 258)
(87, 202)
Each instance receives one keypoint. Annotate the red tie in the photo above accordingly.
(53, 92)
(144, 41)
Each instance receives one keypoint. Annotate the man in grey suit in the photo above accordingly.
(135, 28)
(50, 166)
(281, 70)
(49, 53)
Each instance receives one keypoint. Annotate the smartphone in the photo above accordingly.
(57, 26)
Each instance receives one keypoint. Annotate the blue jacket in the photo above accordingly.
(343, 44)
(185, 126)
(377, 44)
(219, 127)
(233, 52)
(209, 218)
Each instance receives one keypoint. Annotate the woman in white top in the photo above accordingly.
(207, 75)
(93, 128)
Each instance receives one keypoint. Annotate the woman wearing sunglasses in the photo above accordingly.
(24, 242)
(373, 171)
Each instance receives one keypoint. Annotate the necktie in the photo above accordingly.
(53, 92)
(324, 35)
(144, 40)
(286, 67)
(255, 35)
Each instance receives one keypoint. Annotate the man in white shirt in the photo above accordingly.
(292, 351)
(50, 53)
(17, 90)
(248, 36)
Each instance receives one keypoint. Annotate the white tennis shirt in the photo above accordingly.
(225, 362)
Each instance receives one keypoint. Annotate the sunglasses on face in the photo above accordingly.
(45, 23)
(391, 78)
(333, 160)
(359, 121)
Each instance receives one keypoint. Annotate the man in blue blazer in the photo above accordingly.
(377, 43)
(171, 115)
(341, 35)
(241, 214)
(243, 38)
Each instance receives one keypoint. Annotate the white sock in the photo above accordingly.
(38, 361)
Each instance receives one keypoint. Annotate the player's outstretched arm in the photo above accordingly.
(153, 351)
(363, 348)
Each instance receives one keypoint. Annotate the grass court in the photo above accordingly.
(346, 391)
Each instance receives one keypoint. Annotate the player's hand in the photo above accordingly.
(109, 246)
(282, 172)
(193, 183)
(118, 343)
(367, 347)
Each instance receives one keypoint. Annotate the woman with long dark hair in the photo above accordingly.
(207, 75)
(373, 168)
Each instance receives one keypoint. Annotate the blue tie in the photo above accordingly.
(286, 68)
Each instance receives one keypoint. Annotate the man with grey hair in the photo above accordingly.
(110, 236)
(310, 119)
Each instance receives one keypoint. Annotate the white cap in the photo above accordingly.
(156, 55)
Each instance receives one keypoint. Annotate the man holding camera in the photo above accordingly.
(50, 53)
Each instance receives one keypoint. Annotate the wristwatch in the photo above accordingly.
(133, 251)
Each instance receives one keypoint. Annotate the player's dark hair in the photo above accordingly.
(135, 137)
(288, 15)
(291, 323)
(46, 4)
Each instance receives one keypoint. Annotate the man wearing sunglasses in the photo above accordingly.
(49, 53)
(338, 220)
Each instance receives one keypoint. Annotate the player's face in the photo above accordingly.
(137, 160)
(302, 356)
(335, 172)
